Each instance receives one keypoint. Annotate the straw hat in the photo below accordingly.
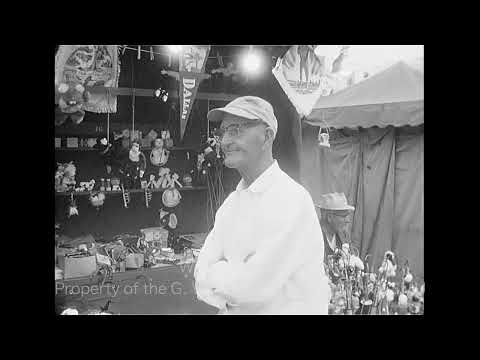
(334, 201)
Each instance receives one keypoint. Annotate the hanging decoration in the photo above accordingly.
(72, 208)
(323, 137)
(90, 65)
(134, 167)
(97, 199)
(191, 73)
(148, 196)
(300, 74)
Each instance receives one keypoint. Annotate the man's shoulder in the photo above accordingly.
(290, 187)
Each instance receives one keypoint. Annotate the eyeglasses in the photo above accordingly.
(235, 130)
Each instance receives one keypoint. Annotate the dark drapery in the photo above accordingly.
(380, 170)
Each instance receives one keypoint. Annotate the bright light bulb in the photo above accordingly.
(175, 48)
(251, 62)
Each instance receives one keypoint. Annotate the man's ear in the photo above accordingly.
(269, 135)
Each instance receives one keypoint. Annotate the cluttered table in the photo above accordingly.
(167, 289)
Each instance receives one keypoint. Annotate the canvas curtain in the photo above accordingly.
(380, 170)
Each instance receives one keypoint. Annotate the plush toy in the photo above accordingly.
(73, 96)
(65, 177)
(86, 185)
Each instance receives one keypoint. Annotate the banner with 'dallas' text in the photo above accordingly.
(191, 70)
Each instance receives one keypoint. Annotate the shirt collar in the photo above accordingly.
(264, 181)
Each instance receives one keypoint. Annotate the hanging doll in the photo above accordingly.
(159, 154)
(167, 140)
(106, 151)
(134, 167)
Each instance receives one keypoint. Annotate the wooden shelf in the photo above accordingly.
(79, 193)
(175, 148)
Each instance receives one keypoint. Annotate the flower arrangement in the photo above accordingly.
(357, 290)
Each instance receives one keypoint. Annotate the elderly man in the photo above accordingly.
(335, 219)
(264, 254)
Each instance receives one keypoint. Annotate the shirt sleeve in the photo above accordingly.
(292, 242)
(211, 253)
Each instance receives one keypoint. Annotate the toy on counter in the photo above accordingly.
(159, 154)
(115, 184)
(187, 179)
(65, 177)
(86, 185)
(73, 97)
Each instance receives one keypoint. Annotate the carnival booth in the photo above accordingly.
(376, 158)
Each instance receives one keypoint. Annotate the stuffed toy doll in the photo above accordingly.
(159, 154)
(65, 177)
(73, 96)
(134, 167)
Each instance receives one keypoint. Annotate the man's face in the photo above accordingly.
(340, 220)
(245, 145)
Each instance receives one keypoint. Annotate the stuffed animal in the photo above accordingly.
(86, 185)
(65, 177)
(73, 96)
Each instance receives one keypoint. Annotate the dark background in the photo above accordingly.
(150, 113)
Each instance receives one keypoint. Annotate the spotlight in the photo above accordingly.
(160, 93)
(251, 62)
(175, 48)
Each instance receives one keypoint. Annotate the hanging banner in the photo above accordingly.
(299, 73)
(191, 70)
(307, 72)
(90, 65)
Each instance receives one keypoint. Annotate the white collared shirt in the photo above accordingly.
(264, 254)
